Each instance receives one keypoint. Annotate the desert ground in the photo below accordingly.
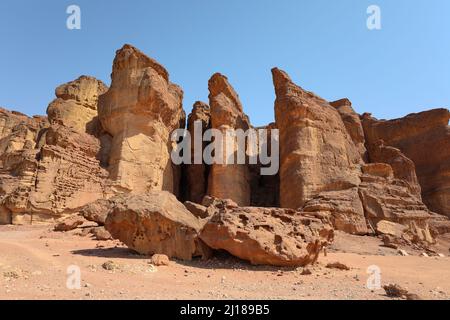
(34, 263)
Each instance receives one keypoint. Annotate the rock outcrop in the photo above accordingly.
(140, 111)
(156, 223)
(105, 155)
(425, 139)
(316, 151)
(226, 113)
(267, 236)
(196, 173)
(51, 170)
(353, 124)
(76, 104)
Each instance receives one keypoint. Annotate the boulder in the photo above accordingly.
(197, 210)
(160, 260)
(97, 211)
(101, 234)
(267, 236)
(390, 228)
(70, 223)
(156, 223)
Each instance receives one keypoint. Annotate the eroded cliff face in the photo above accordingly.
(196, 173)
(425, 139)
(140, 111)
(347, 171)
(316, 152)
(50, 168)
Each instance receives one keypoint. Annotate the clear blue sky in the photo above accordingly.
(324, 45)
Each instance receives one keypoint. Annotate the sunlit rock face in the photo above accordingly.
(228, 181)
(140, 111)
(316, 151)
(425, 139)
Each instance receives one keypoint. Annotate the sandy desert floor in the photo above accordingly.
(34, 264)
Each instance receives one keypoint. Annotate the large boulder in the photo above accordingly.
(140, 111)
(425, 139)
(155, 223)
(267, 236)
(317, 153)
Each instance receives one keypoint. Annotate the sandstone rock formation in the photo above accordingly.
(353, 124)
(140, 111)
(316, 151)
(270, 236)
(49, 171)
(228, 181)
(104, 154)
(197, 171)
(156, 223)
(387, 198)
(76, 104)
(425, 139)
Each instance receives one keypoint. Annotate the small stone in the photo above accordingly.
(337, 265)
(306, 272)
(160, 260)
(395, 291)
(110, 265)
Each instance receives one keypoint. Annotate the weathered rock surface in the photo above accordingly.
(353, 124)
(69, 175)
(97, 211)
(343, 208)
(76, 104)
(50, 171)
(387, 198)
(140, 111)
(425, 139)
(156, 223)
(390, 228)
(268, 236)
(226, 113)
(316, 151)
(403, 167)
(197, 173)
(69, 223)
